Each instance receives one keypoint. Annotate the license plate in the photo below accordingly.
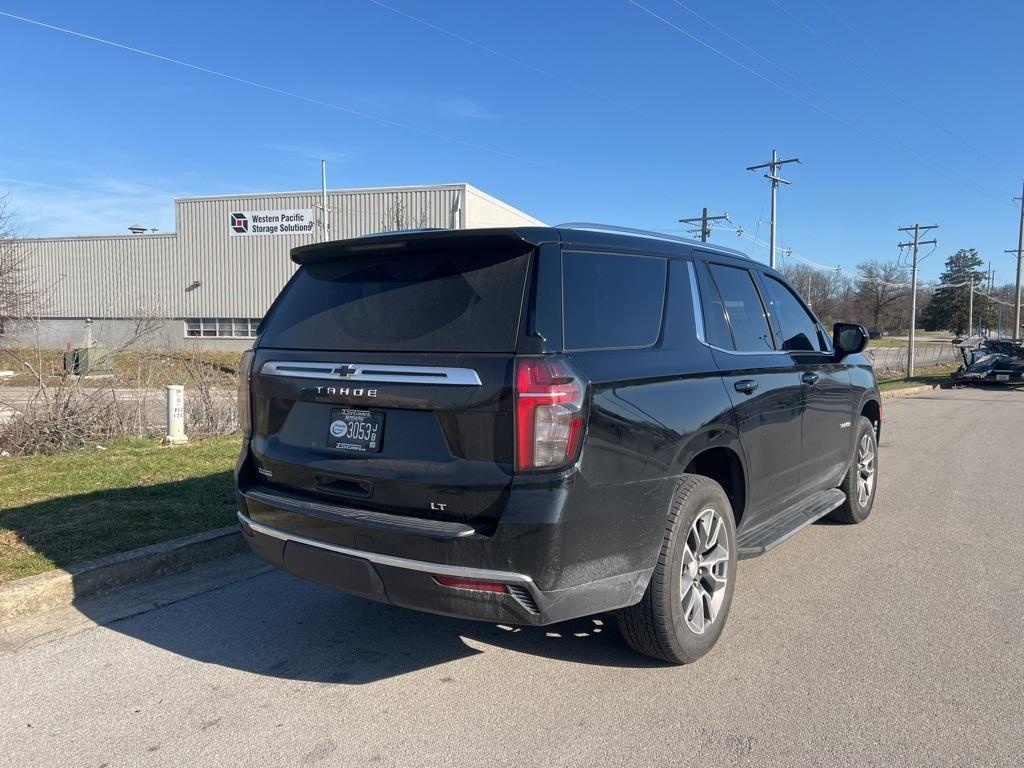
(354, 430)
(1002, 377)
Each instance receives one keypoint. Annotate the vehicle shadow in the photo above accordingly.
(77, 528)
(273, 623)
(276, 625)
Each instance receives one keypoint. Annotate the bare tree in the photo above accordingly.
(397, 217)
(825, 290)
(881, 289)
(16, 295)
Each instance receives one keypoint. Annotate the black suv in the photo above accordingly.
(534, 424)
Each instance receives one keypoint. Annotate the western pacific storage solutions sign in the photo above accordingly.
(294, 221)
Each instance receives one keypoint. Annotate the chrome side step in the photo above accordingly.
(775, 531)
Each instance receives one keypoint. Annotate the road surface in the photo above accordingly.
(896, 642)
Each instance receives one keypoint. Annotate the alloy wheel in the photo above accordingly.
(704, 573)
(865, 470)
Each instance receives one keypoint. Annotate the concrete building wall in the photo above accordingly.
(203, 272)
(57, 332)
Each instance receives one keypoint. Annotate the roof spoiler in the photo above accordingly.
(420, 240)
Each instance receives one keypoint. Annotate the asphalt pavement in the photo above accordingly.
(895, 642)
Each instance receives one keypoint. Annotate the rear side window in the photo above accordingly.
(434, 302)
(743, 309)
(799, 330)
(612, 301)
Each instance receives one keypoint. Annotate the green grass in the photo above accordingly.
(79, 505)
(886, 341)
(937, 375)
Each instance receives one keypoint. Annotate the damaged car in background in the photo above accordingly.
(996, 361)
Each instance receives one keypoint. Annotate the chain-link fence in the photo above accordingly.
(892, 361)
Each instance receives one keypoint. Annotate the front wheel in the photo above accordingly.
(687, 601)
(861, 479)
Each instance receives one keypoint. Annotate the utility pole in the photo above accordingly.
(705, 223)
(1020, 251)
(323, 200)
(773, 176)
(970, 311)
(917, 229)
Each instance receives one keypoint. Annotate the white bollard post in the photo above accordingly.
(175, 415)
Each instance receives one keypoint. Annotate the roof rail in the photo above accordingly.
(592, 227)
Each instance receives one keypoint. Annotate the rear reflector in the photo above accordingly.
(479, 586)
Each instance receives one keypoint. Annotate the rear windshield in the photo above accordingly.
(436, 302)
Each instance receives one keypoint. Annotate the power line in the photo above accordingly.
(1020, 256)
(705, 224)
(270, 88)
(727, 57)
(494, 52)
(913, 153)
(945, 129)
(917, 229)
(750, 49)
(773, 176)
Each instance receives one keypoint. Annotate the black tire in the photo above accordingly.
(854, 510)
(657, 626)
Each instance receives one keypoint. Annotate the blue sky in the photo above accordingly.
(606, 110)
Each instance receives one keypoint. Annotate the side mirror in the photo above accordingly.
(848, 339)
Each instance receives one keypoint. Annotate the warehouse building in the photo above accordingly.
(211, 280)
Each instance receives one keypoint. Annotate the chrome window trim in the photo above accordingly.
(698, 317)
(458, 571)
(393, 374)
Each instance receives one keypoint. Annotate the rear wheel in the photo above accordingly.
(687, 601)
(861, 479)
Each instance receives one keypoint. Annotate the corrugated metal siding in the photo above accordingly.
(151, 275)
(104, 276)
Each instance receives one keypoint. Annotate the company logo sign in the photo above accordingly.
(239, 224)
(292, 221)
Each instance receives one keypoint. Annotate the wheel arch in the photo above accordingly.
(871, 407)
(718, 455)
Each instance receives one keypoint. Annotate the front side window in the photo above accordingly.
(743, 309)
(799, 330)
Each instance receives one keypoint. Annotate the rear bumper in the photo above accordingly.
(410, 583)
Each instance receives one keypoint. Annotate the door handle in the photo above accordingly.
(810, 378)
(746, 386)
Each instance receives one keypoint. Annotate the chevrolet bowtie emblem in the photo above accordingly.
(344, 371)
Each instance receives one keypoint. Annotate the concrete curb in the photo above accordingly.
(893, 394)
(64, 586)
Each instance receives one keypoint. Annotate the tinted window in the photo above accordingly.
(612, 301)
(743, 308)
(716, 327)
(438, 302)
(799, 330)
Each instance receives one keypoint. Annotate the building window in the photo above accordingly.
(222, 327)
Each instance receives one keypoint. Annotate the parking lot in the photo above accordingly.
(897, 642)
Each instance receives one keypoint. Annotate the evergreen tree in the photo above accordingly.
(948, 309)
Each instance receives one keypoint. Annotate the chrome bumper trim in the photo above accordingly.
(393, 374)
(392, 561)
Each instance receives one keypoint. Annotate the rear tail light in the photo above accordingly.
(549, 412)
(244, 404)
(479, 586)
